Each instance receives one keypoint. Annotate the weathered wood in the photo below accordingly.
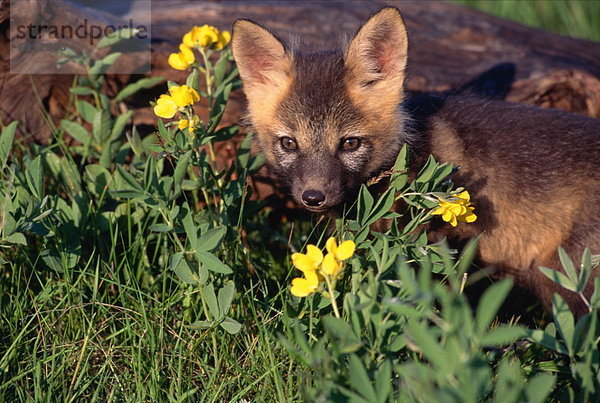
(449, 46)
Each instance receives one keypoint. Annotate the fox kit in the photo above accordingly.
(329, 121)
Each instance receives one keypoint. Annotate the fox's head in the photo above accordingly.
(326, 121)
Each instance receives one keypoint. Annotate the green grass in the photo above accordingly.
(112, 330)
(577, 18)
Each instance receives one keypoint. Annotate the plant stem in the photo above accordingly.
(331, 288)
(207, 75)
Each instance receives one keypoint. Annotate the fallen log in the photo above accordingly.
(450, 45)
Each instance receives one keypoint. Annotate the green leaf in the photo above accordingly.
(17, 238)
(135, 141)
(101, 126)
(101, 66)
(365, 204)
(243, 154)
(588, 378)
(202, 324)
(6, 141)
(582, 334)
(81, 91)
(399, 175)
(257, 162)
(220, 69)
(440, 174)
(181, 168)
(427, 171)
(161, 228)
(209, 297)
(595, 299)
(97, 179)
(70, 174)
(76, 131)
(191, 231)
(217, 111)
(225, 297)
(86, 110)
(542, 338)
(503, 335)
(539, 387)
(106, 156)
(466, 257)
(223, 134)
(568, 265)
(564, 321)
(490, 303)
(211, 239)
(150, 182)
(163, 132)
(384, 382)
(193, 80)
(231, 326)
(35, 177)
(130, 180)
(155, 148)
(212, 263)
(347, 342)
(233, 76)
(431, 349)
(359, 379)
(585, 271)
(559, 278)
(139, 85)
(105, 102)
(178, 264)
(119, 125)
(52, 259)
(383, 205)
(509, 382)
(130, 194)
(118, 36)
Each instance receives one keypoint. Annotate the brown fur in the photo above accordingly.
(534, 178)
(533, 174)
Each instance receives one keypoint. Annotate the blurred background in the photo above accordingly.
(577, 18)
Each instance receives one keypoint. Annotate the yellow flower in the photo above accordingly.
(342, 252)
(303, 287)
(184, 95)
(331, 266)
(182, 60)
(180, 97)
(185, 123)
(309, 261)
(201, 36)
(207, 36)
(165, 107)
(318, 268)
(224, 38)
(457, 210)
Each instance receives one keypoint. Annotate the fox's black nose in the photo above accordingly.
(313, 198)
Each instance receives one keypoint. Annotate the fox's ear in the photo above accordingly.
(376, 57)
(260, 57)
(265, 66)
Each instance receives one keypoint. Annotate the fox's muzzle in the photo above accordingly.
(316, 183)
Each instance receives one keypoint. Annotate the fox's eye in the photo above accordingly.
(289, 143)
(350, 144)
